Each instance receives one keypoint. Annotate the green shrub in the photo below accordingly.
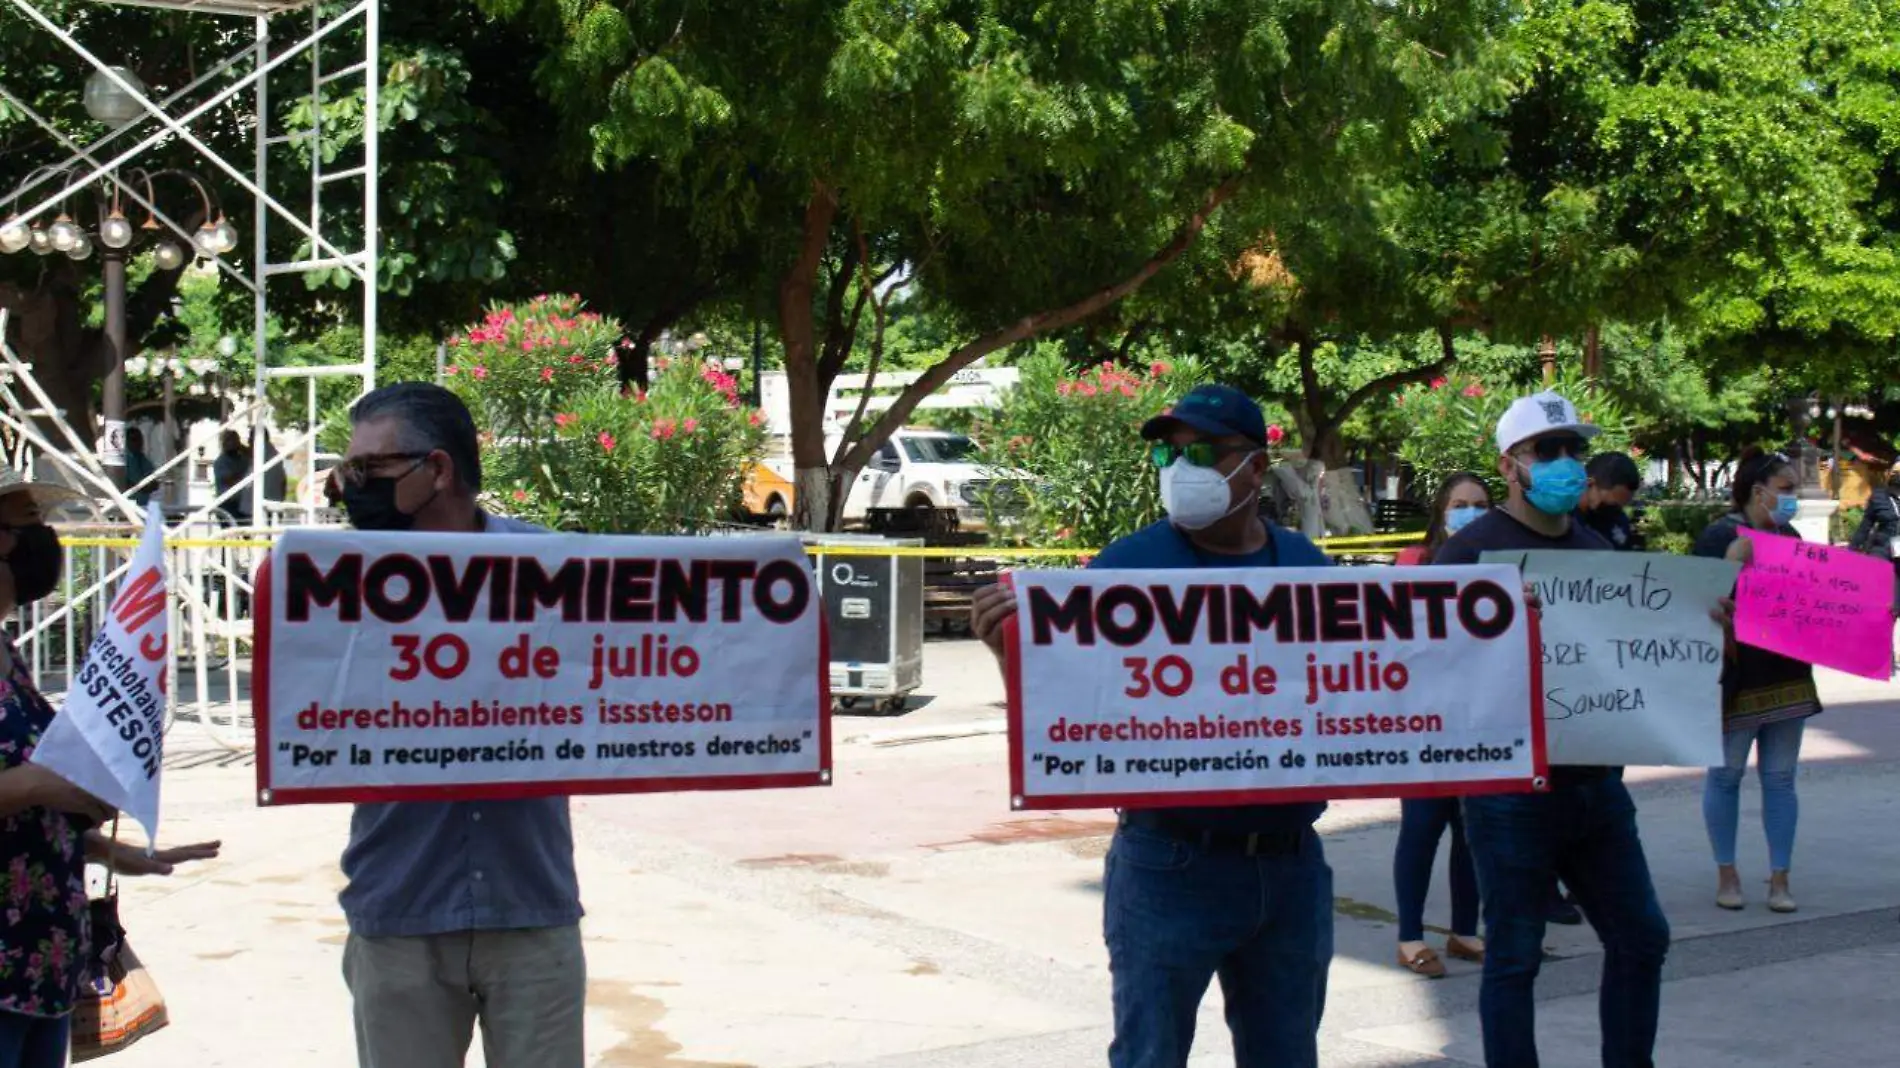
(566, 444)
(1842, 525)
(1070, 466)
(1673, 526)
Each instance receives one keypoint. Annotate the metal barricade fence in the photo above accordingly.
(211, 565)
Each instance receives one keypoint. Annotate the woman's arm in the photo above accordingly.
(31, 786)
(124, 861)
(18, 790)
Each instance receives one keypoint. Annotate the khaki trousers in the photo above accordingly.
(417, 1000)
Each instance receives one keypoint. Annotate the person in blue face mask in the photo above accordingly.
(1461, 498)
(1583, 829)
(1766, 698)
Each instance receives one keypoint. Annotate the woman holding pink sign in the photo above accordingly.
(1766, 697)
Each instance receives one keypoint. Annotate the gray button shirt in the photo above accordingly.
(423, 868)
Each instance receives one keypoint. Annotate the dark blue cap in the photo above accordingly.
(1214, 410)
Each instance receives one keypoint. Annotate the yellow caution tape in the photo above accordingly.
(1363, 544)
(180, 543)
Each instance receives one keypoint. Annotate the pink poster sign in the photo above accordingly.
(1822, 604)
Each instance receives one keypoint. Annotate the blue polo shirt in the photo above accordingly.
(424, 868)
(1160, 544)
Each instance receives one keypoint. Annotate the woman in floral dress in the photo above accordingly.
(48, 827)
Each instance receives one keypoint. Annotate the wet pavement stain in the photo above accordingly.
(1359, 910)
(1088, 848)
(867, 869)
(220, 955)
(636, 1015)
(1039, 829)
(921, 966)
(793, 860)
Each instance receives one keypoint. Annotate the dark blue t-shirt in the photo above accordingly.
(1498, 531)
(1161, 545)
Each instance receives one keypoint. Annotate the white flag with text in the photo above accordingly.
(109, 739)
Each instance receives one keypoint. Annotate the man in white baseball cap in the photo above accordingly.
(1584, 828)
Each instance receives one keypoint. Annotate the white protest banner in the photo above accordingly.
(1141, 688)
(404, 667)
(109, 739)
(1632, 658)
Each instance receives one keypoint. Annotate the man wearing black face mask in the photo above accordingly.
(1613, 484)
(458, 911)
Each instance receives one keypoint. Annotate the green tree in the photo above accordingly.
(1014, 158)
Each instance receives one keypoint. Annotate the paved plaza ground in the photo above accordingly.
(905, 918)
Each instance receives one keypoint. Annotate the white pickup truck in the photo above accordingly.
(920, 469)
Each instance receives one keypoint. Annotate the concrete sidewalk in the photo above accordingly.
(905, 918)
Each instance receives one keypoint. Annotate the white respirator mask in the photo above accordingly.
(1196, 497)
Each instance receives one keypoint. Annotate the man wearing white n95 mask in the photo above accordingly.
(1191, 893)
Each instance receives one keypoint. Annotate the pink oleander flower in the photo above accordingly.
(479, 372)
(547, 374)
(690, 425)
(607, 442)
(1275, 434)
(1158, 368)
(565, 419)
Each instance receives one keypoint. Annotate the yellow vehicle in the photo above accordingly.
(768, 493)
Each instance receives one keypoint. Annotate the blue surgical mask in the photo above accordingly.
(1786, 505)
(1457, 519)
(1557, 485)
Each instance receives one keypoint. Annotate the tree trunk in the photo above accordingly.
(47, 332)
(811, 476)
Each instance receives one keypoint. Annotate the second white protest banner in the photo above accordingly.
(1632, 657)
(399, 667)
(1133, 688)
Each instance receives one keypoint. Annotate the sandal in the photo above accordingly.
(1460, 949)
(1425, 963)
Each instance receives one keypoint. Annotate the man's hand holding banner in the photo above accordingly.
(1133, 688)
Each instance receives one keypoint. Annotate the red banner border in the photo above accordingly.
(269, 797)
(1021, 800)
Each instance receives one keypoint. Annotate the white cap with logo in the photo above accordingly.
(1542, 413)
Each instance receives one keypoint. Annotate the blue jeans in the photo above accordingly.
(1778, 748)
(1175, 916)
(33, 1041)
(1421, 824)
(1584, 832)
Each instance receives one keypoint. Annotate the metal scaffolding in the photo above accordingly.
(331, 45)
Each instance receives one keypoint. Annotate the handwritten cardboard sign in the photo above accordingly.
(1135, 688)
(1632, 658)
(1817, 603)
(405, 667)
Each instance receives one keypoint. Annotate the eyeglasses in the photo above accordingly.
(358, 469)
(1548, 449)
(1198, 453)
